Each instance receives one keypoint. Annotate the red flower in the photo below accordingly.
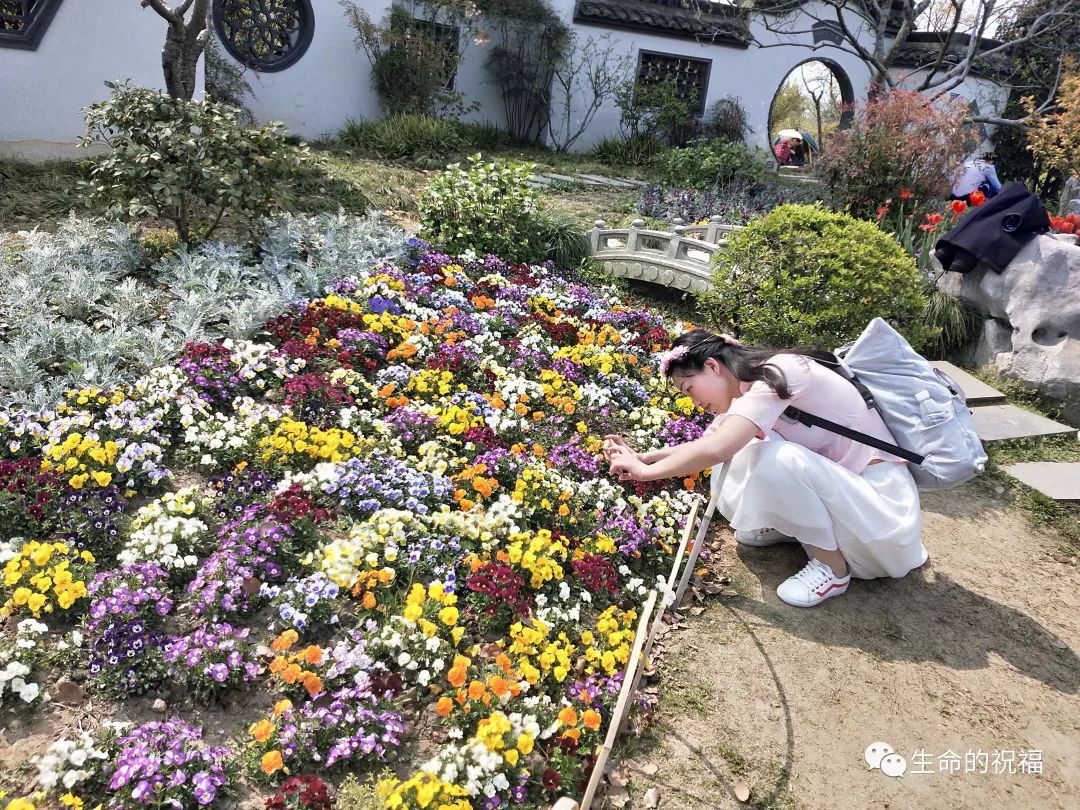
(1067, 227)
(959, 207)
(882, 211)
(905, 194)
(1074, 219)
(550, 779)
(977, 197)
(934, 218)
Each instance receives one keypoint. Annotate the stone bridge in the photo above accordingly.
(681, 258)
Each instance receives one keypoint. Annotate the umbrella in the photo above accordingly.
(788, 133)
(810, 141)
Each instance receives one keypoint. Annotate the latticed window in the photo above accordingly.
(446, 38)
(691, 76)
(23, 22)
(265, 35)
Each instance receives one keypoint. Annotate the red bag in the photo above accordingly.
(782, 152)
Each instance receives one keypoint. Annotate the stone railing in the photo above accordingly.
(681, 258)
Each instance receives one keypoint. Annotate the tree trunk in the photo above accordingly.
(184, 44)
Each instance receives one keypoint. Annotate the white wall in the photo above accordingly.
(42, 92)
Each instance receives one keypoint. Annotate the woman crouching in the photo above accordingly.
(854, 509)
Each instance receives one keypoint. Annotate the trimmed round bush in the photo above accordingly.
(805, 276)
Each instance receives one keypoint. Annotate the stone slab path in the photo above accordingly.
(550, 178)
(976, 391)
(996, 423)
(1059, 481)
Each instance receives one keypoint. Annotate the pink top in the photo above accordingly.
(822, 392)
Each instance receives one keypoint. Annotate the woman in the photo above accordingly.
(854, 509)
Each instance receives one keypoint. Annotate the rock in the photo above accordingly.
(159, 706)
(1070, 197)
(1032, 319)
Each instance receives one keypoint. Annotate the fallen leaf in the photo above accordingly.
(697, 610)
(618, 796)
(652, 797)
(68, 692)
(250, 586)
(742, 790)
(729, 592)
(619, 777)
(650, 768)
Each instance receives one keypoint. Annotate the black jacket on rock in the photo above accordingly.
(994, 232)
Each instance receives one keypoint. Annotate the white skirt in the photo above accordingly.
(874, 519)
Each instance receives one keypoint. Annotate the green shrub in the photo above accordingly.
(420, 137)
(659, 109)
(703, 165)
(189, 162)
(157, 244)
(356, 795)
(725, 120)
(404, 135)
(488, 207)
(955, 321)
(633, 150)
(561, 238)
(802, 275)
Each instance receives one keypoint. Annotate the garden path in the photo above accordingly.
(973, 652)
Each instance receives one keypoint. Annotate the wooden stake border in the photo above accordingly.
(648, 625)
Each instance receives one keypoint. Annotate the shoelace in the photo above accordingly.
(813, 575)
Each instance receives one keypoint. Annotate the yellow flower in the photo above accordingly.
(36, 602)
(77, 481)
(525, 744)
(102, 478)
(21, 596)
(448, 616)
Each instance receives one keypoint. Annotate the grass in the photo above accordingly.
(38, 193)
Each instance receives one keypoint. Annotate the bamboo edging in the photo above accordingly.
(647, 628)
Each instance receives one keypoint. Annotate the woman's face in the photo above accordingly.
(712, 389)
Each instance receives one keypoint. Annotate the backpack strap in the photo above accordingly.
(810, 420)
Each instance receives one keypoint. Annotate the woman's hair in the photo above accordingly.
(746, 363)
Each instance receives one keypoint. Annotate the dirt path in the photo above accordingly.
(974, 652)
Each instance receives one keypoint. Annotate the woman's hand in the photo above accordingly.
(628, 467)
(615, 445)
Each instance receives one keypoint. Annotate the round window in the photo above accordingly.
(265, 35)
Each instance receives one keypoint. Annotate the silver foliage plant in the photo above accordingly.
(78, 308)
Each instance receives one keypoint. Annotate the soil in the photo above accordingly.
(973, 652)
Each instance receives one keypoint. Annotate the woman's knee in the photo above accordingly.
(777, 463)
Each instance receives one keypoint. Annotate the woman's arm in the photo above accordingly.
(653, 456)
(732, 435)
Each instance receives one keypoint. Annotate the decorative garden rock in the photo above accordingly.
(1031, 312)
(1070, 197)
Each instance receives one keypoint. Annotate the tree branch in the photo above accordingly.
(167, 13)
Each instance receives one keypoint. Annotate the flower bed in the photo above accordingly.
(400, 538)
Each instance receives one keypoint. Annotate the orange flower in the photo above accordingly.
(498, 685)
(502, 660)
(285, 641)
(572, 734)
(292, 673)
(444, 706)
(369, 600)
(456, 676)
(959, 207)
(591, 720)
(282, 706)
(568, 717)
(271, 762)
(262, 730)
(313, 684)
(313, 654)
(977, 197)
(476, 690)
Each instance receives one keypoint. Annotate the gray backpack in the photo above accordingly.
(925, 411)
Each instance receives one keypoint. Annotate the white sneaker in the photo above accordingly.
(813, 585)
(762, 537)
